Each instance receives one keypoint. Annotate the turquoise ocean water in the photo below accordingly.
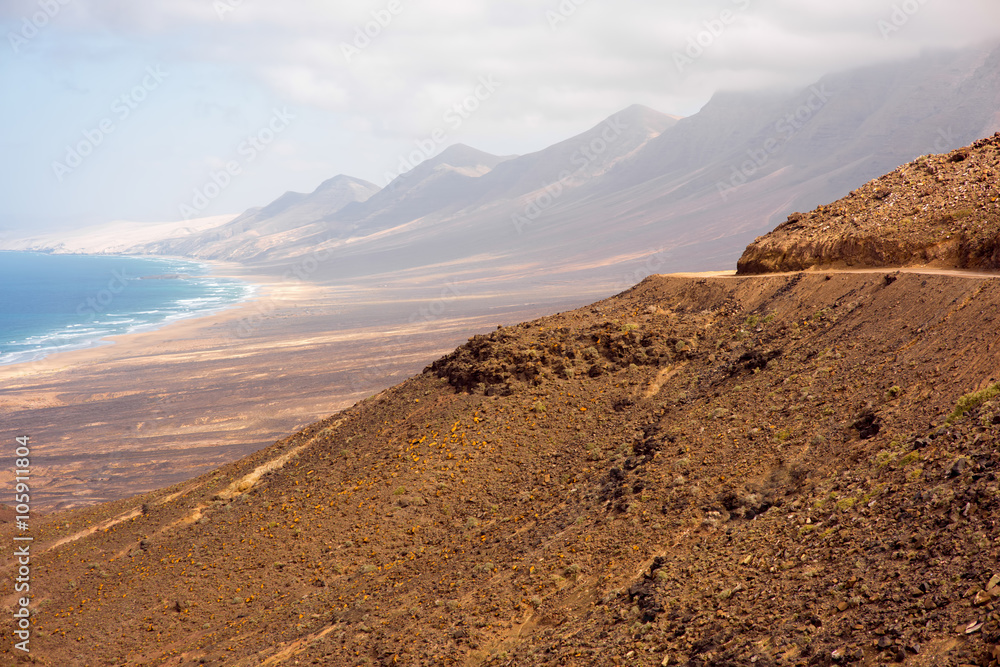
(52, 303)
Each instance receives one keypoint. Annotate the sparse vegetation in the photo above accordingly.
(973, 400)
(846, 504)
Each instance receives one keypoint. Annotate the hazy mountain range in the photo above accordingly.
(691, 190)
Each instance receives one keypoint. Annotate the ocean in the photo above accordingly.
(53, 303)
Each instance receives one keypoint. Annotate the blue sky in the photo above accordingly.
(126, 109)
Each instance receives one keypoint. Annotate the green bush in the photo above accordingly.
(973, 401)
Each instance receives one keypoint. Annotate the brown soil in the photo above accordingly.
(939, 210)
(721, 471)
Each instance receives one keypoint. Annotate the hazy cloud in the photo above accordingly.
(368, 78)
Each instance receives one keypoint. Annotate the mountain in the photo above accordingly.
(260, 229)
(583, 157)
(783, 469)
(440, 183)
(693, 190)
(639, 188)
(118, 237)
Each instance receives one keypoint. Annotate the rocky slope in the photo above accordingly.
(938, 210)
(785, 470)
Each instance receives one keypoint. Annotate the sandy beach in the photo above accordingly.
(155, 408)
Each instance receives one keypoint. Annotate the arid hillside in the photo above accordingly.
(778, 470)
(939, 210)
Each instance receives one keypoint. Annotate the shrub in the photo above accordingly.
(973, 401)
(883, 458)
(845, 504)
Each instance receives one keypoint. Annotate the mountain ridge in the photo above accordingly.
(695, 190)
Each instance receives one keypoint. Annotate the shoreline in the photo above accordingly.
(131, 342)
(159, 407)
(149, 408)
(256, 284)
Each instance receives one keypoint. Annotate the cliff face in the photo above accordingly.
(939, 210)
(776, 470)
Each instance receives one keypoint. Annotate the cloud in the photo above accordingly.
(407, 58)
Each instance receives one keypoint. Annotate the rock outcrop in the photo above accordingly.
(938, 210)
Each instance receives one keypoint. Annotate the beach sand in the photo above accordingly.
(156, 408)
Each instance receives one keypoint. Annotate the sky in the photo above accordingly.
(163, 110)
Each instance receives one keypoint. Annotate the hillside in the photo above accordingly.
(717, 471)
(938, 210)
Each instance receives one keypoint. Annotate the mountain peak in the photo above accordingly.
(462, 156)
(643, 116)
(342, 181)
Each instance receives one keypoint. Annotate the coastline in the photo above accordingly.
(133, 343)
(222, 286)
(150, 407)
(159, 407)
